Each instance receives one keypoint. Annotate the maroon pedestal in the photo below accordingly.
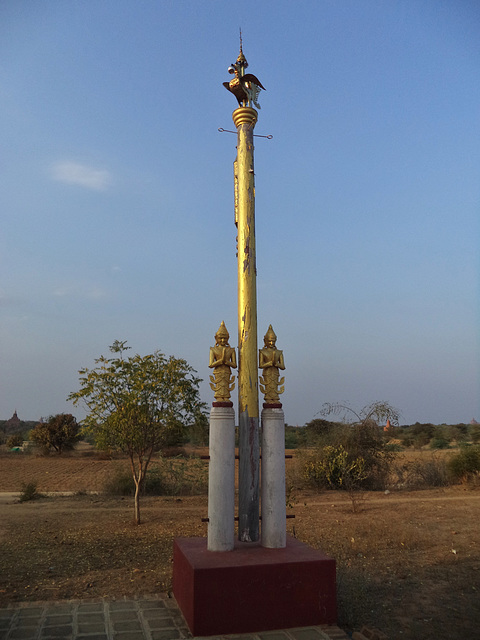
(252, 588)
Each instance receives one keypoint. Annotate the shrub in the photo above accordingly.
(355, 457)
(312, 470)
(420, 473)
(465, 465)
(393, 447)
(14, 441)
(351, 456)
(406, 439)
(420, 434)
(430, 473)
(474, 432)
(456, 433)
(439, 443)
(294, 437)
(120, 483)
(173, 476)
(183, 476)
(29, 492)
(335, 469)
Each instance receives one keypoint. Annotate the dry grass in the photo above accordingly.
(408, 562)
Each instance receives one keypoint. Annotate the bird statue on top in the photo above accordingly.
(244, 86)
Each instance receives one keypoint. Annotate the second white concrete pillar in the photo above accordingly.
(274, 529)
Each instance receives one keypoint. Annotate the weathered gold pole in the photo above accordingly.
(244, 119)
(246, 87)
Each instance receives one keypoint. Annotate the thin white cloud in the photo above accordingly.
(82, 175)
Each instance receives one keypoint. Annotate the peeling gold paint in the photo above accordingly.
(235, 187)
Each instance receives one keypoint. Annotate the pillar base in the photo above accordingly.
(252, 588)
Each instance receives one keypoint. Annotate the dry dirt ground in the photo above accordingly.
(407, 563)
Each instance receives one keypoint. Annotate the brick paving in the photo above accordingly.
(146, 618)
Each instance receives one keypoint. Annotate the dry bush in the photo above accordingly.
(419, 473)
(29, 492)
(350, 457)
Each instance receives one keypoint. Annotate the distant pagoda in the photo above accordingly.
(13, 424)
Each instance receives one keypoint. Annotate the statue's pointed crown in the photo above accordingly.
(222, 331)
(270, 335)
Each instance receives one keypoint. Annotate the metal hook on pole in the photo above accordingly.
(255, 135)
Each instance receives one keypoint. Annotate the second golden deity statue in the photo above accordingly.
(271, 361)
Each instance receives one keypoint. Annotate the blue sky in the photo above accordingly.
(116, 195)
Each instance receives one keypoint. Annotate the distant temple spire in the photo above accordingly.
(13, 423)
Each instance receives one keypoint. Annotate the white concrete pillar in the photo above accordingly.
(221, 480)
(274, 511)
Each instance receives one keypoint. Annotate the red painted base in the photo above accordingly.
(252, 588)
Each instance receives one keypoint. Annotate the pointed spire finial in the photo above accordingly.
(241, 58)
(244, 86)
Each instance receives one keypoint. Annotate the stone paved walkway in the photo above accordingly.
(147, 618)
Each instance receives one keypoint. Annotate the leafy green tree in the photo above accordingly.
(135, 404)
(59, 433)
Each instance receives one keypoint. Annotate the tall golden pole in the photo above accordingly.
(246, 87)
(244, 119)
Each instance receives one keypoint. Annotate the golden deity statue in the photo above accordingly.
(271, 360)
(222, 360)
